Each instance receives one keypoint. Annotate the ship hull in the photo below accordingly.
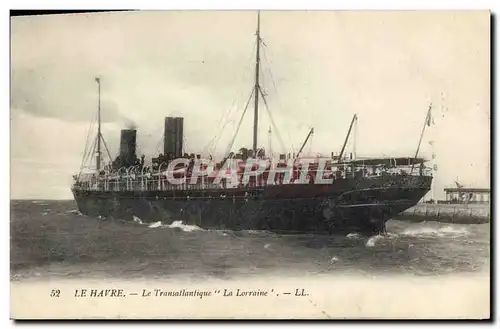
(350, 205)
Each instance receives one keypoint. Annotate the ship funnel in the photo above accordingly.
(173, 137)
(128, 143)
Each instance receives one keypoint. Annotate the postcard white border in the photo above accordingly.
(149, 4)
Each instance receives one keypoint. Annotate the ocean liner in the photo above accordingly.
(337, 195)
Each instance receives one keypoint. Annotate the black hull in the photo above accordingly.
(351, 205)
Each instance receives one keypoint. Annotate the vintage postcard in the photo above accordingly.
(250, 165)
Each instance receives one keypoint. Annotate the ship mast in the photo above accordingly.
(98, 157)
(257, 89)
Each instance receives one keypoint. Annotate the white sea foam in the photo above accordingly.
(454, 230)
(352, 235)
(183, 227)
(433, 231)
(137, 219)
(334, 259)
(155, 225)
(74, 211)
(373, 240)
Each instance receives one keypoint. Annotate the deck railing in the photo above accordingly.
(128, 180)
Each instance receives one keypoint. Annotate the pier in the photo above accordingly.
(473, 213)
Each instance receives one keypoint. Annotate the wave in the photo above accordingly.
(373, 240)
(155, 225)
(352, 235)
(176, 225)
(75, 212)
(137, 220)
(184, 227)
(432, 231)
(333, 259)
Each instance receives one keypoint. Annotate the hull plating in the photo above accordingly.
(350, 205)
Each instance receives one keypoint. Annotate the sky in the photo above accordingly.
(318, 69)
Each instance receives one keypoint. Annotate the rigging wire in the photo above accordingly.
(264, 95)
(277, 98)
(84, 157)
(107, 150)
(280, 140)
(184, 142)
(159, 143)
(268, 65)
(92, 151)
(228, 149)
(217, 138)
(224, 119)
(91, 126)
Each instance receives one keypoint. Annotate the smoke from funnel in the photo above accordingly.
(130, 124)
